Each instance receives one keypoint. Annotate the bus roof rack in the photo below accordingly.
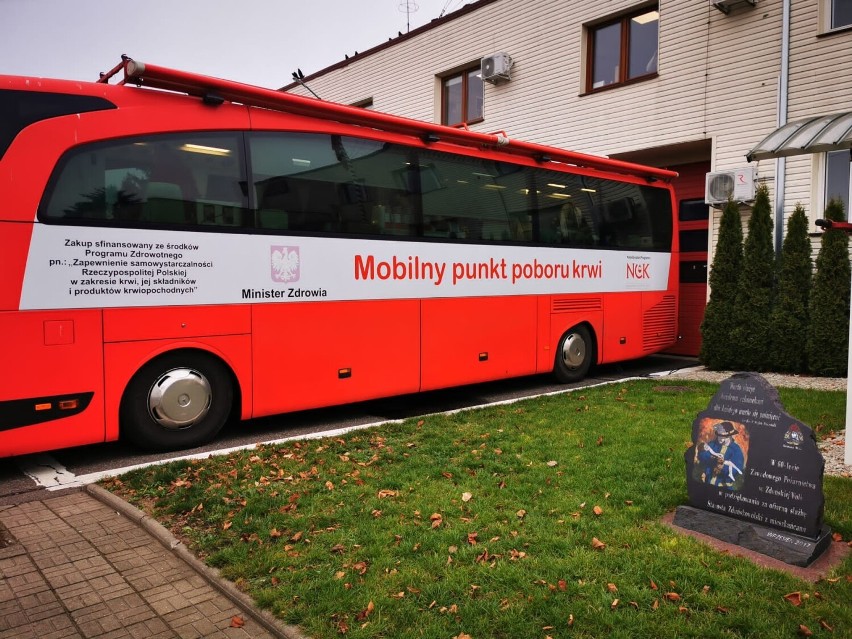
(214, 90)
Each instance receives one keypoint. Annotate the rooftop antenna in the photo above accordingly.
(409, 7)
(299, 78)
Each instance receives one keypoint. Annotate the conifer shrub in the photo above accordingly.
(752, 333)
(718, 352)
(788, 352)
(828, 334)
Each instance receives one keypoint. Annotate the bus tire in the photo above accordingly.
(178, 400)
(574, 355)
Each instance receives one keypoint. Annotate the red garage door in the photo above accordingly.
(693, 214)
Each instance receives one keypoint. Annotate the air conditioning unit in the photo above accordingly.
(737, 185)
(497, 68)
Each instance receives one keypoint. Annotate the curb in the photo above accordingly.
(266, 619)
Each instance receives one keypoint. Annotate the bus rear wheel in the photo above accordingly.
(574, 355)
(179, 400)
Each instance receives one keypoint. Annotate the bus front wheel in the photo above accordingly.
(179, 400)
(574, 355)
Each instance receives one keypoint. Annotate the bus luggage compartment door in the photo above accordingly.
(477, 339)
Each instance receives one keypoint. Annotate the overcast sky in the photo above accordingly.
(253, 41)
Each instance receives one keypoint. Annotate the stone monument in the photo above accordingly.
(754, 475)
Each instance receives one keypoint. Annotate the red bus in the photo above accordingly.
(180, 250)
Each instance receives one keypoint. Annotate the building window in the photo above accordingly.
(623, 50)
(461, 97)
(841, 13)
(838, 177)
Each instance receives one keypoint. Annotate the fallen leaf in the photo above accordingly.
(824, 624)
(237, 622)
(338, 548)
(552, 463)
(837, 536)
(275, 533)
(805, 631)
(653, 585)
(597, 544)
(385, 493)
(634, 604)
(227, 525)
(466, 497)
(521, 513)
(297, 537)
(597, 510)
(463, 635)
(570, 620)
(563, 585)
(672, 596)
(436, 520)
(628, 502)
(614, 604)
(794, 598)
(656, 604)
(612, 587)
(361, 616)
(472, 537)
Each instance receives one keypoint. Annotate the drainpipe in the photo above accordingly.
(783, 88)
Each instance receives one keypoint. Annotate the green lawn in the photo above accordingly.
(534, 519)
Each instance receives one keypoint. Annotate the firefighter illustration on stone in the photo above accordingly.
(721, 460)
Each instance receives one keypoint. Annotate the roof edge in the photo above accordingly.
(432, 24)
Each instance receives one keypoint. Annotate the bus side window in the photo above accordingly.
(164, 203)
(273, 203)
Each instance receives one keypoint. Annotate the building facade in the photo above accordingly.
(693, 86)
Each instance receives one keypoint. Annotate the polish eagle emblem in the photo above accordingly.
(285, 263)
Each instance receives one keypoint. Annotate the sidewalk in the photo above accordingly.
(84, 564)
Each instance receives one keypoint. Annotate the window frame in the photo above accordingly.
(624, 50)
(464, 74)
(824, 187)
(830, 17)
